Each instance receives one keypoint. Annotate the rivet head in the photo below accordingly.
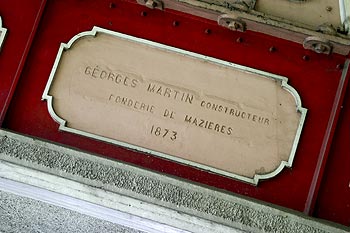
(340, 66)
(272, 49)
(207, 31)
(306, 58)
(176, 23)
(239, 40)
(329, 8)
(112, 5)
(143, 13)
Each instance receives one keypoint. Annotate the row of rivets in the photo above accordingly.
(208, 31)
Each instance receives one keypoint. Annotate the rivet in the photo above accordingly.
(329, 8)
(272, 49)
(207, 31)
(306, 58)
(143, 13)
(176, 23)
(340, 66)
(239, 40)
(112, 5)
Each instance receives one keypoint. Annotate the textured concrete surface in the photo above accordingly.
(20, 214)
(150, 187)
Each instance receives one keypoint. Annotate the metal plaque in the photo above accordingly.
(2, 33)
(186, 107)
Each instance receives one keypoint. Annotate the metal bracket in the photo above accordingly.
(318, 45)
(231, 22)
(152, 4)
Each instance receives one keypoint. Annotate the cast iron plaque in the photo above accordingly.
(186, 107)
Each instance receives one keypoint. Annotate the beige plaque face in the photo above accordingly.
(186, 107)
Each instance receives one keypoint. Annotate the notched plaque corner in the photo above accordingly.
(3, 32)
(247, 126)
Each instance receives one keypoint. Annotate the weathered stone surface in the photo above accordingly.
(21, 214)
(154, 188)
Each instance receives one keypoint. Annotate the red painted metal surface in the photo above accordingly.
(334, 194)
(316, 79)
(22, 20)
(322, 158)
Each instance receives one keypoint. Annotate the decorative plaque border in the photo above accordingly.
(281, 79)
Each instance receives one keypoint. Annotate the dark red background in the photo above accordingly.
(316, 79)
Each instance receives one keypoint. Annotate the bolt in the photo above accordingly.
(112, 5)
(329, 8)
(234, 25)
(306, 58)
(143, 13)
(239, 40)
(272, 49)
(207, 31)
(176, 23)
(319, 48)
